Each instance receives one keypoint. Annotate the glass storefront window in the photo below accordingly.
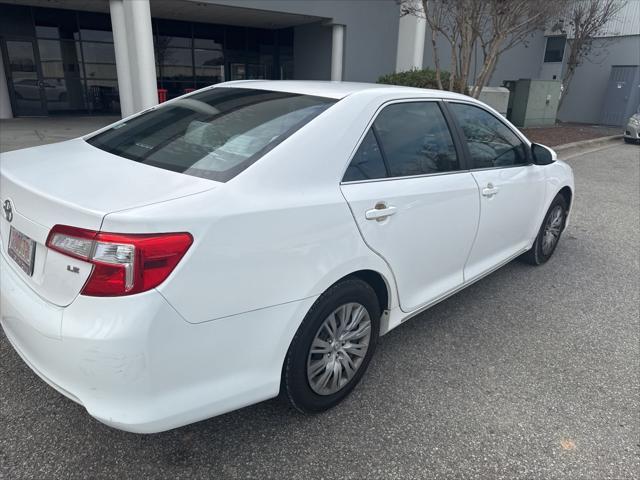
(173, 56)
(173, 34)
(100, 70)
(96, 35)
(64, 94)
(208, 58)
(209, 75)
(21, 57)
(95, 27)
(236, 38)
(98, 52)
(65, 59)
(102, 96)
(58, 57)
(208, 36)
(175, 72)
(54, 23)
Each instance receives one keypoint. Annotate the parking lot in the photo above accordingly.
(531, 373)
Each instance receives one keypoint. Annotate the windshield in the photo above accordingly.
(214, 134)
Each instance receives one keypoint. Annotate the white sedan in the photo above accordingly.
(255, 238)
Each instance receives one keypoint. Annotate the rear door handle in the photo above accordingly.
(380, 212)
(489, 191)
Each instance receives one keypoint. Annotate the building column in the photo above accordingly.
(337, 52)
(5, 102)
(123, 65)
(411, 37)
(143, 63)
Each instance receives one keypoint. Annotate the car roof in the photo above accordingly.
(336, 90)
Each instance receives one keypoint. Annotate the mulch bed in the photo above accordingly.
(568, 132)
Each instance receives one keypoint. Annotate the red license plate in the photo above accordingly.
(22, 249)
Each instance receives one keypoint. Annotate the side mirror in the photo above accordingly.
(543, 155)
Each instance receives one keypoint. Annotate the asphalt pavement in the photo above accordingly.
(532, 373)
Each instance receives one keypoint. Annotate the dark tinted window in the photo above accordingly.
(213, 134)
(415, 139)
(554, 50)
(367, 163)
(491, 143)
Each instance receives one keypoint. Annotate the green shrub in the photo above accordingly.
(416, 78)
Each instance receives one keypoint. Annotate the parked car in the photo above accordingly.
(632, 130)
(29, 89)
(255, 238)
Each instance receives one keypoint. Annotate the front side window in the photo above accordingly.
(215, 134)
(491, 143)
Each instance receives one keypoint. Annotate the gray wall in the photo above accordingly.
(587, 91)
(370, 41)
(312, 52)
(521, 61)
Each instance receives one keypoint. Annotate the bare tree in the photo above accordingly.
(492, 25)
(587, 20)
(508, 23)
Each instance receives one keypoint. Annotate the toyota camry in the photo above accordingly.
(255, 238)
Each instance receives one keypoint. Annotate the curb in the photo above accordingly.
(575, 147)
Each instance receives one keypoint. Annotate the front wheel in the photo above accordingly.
(333, 346)
(549, 234)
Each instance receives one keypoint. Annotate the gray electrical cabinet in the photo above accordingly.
(533, 103)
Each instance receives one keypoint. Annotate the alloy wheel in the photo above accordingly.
(552, 230)
(338, 348)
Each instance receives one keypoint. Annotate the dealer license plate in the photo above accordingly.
(22, 249)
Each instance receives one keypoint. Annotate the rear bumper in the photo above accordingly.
(136, 365)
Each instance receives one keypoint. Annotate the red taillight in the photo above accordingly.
(123, 264)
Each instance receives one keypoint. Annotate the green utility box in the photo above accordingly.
(533, 103)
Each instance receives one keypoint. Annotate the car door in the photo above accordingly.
(413, 203)
(512, 189)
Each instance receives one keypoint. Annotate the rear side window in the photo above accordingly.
(406, 139)
(215, 134)
(367, 163)
(415, 139)
(491, 143)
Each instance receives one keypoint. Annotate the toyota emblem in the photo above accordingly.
(8, 210)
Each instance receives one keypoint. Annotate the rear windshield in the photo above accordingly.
(214, 134)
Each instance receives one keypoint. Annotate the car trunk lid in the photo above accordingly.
(73, 183)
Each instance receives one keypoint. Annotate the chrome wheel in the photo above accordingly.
(338, 348)
(552, 230)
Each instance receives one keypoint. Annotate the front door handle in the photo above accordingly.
(489, 191)
(380, 212)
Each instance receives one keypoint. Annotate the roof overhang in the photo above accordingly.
(190, 10)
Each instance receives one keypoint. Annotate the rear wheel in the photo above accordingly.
(333, 347)
(549, 234)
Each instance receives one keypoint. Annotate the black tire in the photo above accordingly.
(295, 384)
(536, 255)
(630, 140)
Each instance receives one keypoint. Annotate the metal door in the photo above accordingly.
(621, 96)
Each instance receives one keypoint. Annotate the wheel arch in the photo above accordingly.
(567, 194)
(382, 283)
(376, 281)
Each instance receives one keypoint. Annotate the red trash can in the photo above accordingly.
(162, 95)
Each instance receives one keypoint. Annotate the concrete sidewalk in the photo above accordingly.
(29, 132)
